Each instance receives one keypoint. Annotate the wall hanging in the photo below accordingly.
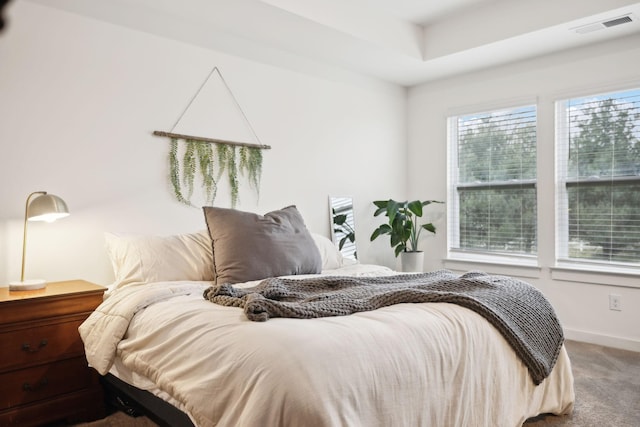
(207, 159)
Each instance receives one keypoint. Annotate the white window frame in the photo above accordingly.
(574, 269)
(526, 264)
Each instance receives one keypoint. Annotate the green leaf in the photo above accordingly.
(339, 219)
(399, 249)
(189, 166)
(415, 207)
(254, 167)
(222, 151)
(205, 162)
(383, 229)
(429, 227)
(232, 173)
(392, 210)
(379, 211)
(174, 172)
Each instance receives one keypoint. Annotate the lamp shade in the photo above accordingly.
(47, 207)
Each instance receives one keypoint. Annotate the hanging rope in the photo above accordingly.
(171, 134)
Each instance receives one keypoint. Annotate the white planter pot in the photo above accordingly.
(412, 261)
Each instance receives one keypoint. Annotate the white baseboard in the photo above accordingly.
(604, 340)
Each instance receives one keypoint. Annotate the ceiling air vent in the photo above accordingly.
(617, 21)
(589, 28)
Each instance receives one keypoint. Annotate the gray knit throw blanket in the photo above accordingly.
(517, 309)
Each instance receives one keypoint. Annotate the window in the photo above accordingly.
(492, 182)
(598, 176)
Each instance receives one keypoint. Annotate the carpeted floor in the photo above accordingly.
(607, 384)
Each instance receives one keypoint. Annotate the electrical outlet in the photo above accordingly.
(614, 302)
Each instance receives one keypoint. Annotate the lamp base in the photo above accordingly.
(27, 285)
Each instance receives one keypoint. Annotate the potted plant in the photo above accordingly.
(404, 230)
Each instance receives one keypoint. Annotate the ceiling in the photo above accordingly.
(405, 42)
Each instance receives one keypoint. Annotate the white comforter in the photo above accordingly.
(405, 365)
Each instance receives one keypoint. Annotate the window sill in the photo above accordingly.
(527, 267)
(622, 277)
(520, 267)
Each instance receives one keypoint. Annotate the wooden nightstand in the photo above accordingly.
(44, 375)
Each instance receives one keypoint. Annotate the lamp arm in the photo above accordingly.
(24, 235)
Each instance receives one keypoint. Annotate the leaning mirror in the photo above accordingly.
(343, 229)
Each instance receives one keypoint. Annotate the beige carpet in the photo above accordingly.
(607, 384)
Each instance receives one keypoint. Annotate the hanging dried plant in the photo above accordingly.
(201, 156)
(251, 166)
(174, 172)
(232, 174)
(205, 162)
(212, 163)
(223, 154)
(189, 168)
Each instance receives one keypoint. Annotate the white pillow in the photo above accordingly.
(331, 256)
(147, 259)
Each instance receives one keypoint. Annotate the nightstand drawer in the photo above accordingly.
(32, 345)
(42, 382)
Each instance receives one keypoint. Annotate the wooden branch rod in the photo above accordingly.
(210, 140)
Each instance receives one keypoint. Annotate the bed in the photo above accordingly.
(403, 364)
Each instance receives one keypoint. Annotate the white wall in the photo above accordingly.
(582, 308)
(80, 98)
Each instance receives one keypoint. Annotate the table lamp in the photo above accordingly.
(43, 207)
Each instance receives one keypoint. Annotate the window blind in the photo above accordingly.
(598, 175)
(492, 190)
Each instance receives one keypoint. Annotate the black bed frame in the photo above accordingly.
(136, 402)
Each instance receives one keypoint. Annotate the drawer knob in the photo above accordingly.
(35, 387)
(27, 347)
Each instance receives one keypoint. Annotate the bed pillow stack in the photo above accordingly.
(249, 246)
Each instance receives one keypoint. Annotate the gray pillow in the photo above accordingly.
(248, 246)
